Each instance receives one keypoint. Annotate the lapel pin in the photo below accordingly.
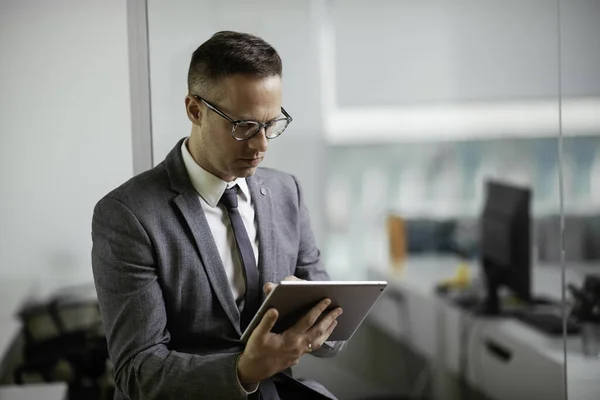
(263, 191)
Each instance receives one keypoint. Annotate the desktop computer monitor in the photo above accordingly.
(505, 243)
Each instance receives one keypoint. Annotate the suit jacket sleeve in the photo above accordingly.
(135, 318)
(309, 266)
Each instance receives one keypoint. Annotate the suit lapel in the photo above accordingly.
(190, 207)
(188, 203)
(263, 207)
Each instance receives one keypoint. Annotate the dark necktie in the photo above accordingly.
(252, 297)
(229, 199)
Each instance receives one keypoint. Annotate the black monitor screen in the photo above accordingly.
(497, 240)
(505, 238)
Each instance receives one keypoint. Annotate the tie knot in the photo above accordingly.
(229, 198)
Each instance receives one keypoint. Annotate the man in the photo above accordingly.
(182, 251)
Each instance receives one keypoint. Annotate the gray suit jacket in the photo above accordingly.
(171, 322)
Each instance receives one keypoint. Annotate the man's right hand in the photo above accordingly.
(268, 353)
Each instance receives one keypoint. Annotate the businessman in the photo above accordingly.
(184, 253)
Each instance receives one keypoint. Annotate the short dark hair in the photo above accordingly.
(228, 53)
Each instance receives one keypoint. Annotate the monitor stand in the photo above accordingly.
(489, 306)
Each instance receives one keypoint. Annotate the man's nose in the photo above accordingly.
(259, 141)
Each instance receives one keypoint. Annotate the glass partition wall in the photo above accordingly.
(427, 102)
(580, 215)
(403, 112)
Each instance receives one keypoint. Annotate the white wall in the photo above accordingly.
(65, 136)
(413, 51)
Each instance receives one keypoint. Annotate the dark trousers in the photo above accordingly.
(290, 389)
(296, 391)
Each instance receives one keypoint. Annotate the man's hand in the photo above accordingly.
(268, 353)
(270, 285)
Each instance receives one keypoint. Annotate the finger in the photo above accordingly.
(266, 323)
(318, 330)
(309, 319)
(323, 338)
(267, 287)
(292, 278)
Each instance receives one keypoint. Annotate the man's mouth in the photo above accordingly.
(252, 161)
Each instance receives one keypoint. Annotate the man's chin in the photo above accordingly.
(246, 172)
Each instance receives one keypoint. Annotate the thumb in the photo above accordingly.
(266, 323)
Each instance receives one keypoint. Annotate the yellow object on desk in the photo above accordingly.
(461, 279)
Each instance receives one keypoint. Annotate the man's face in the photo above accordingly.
(244, 98)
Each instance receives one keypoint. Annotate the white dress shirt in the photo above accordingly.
(210, 189)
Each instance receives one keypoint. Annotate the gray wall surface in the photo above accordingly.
(65, 129)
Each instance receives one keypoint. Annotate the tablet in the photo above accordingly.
(293, 299)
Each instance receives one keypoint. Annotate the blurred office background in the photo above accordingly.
(401, 108)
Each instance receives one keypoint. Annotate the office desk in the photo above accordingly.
(411, 311)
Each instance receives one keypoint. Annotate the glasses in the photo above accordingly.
(246, 129)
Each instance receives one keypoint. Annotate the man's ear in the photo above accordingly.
(193, 110)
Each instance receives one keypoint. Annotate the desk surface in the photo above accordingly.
(417, 281)
(422, 274)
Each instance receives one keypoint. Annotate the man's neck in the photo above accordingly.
(203, 163)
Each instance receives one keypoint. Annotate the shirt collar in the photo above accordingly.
(208, 186)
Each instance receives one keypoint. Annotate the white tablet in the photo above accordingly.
(293, 299)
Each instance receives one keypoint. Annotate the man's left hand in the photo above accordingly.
(270, 285)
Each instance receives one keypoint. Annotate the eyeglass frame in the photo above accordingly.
(236, 122)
